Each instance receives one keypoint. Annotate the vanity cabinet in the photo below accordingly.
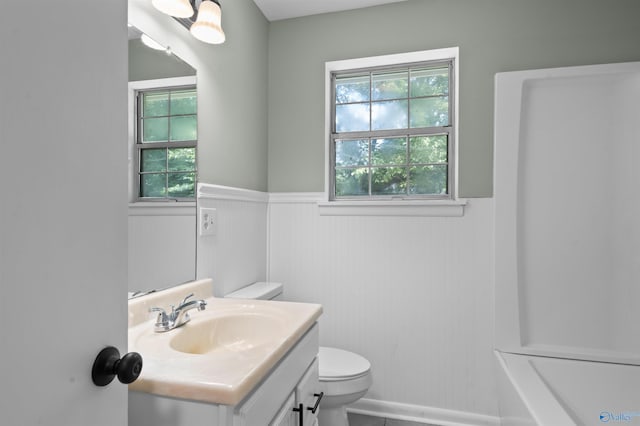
(291, 385)
(301, 408)
(286, 416)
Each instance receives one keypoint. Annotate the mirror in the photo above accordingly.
(149, 63)
(162, 227)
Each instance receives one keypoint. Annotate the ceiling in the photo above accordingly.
(275, 10)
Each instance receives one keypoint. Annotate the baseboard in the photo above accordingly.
(420, 414)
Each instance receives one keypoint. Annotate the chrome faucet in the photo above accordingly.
(178, 316)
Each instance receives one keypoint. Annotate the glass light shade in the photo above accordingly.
(208, 26)
(177, 8)
(149, 42)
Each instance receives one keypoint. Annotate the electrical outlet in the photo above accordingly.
(208, 221)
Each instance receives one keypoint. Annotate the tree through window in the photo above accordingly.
(166, 139)
(392, 131)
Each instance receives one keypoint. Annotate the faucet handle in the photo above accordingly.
(185, 299)
(162, 315)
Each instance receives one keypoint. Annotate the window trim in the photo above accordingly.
(133, 88)
(377, 62)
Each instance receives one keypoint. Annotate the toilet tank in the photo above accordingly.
(260, 290)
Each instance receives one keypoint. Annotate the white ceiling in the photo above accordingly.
(274, 10)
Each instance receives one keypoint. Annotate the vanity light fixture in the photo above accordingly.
(176, 8)
(208, 25)
(149, 42)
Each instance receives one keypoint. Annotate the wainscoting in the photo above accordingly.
(237, 254)
(413, 294)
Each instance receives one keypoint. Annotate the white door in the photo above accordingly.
(63, 230)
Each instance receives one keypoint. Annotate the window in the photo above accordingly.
(166, 140)
(392, 127)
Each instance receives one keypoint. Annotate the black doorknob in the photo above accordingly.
(108, 365)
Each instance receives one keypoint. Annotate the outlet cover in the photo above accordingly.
(208, 219)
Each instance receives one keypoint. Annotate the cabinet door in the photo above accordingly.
(264, 402)
(286, 415)
(307, 393)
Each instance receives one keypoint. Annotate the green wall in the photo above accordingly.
(148, 64)
(232, 90)
(493, 36)
(234, 153)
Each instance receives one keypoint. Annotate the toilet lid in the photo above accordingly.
(338, 363)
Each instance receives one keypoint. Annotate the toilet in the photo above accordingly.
(344, 376)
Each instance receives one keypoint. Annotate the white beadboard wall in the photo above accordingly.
(237, 254)
(414, 295)
(162, 245)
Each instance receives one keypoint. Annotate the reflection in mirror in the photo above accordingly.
(147, 63)
(162, 159)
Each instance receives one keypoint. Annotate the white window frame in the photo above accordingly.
(452, 206)
(133, 88)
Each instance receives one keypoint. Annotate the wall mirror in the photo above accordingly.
(162, 162)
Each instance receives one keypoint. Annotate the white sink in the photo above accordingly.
(235, 332)
(222, 353)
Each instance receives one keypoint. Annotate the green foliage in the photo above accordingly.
(416, 165)
(168, 116)
(175, 175)
(181, 185)
(411, 98)
(153, 185)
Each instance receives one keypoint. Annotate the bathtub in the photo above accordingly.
(567, 241)
(545, 391)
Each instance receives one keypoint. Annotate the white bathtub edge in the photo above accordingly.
(534, 393)
(421, 414)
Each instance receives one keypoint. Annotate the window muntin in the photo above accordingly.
(166, 140)
(391, 133)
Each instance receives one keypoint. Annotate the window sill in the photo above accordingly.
(426, 208)
(162, 208)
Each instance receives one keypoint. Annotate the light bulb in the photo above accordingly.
(149, 42)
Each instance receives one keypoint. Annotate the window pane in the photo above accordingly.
(155, 104)
(351, 182)
(430, 112)
(352, 152)
(389, 86)
(428, 149)
(428, 180)
(153, 160)
(153, 185)
(392, 118)
(184, 128)
(352, 117)
(389, 115)
(182, 185)
(352, 89)
(155, 130)
(429, 82)
(183, 102)
(389, 151)
(182, 159)
(388, 180)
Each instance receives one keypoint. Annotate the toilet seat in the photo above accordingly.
(339, 365)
